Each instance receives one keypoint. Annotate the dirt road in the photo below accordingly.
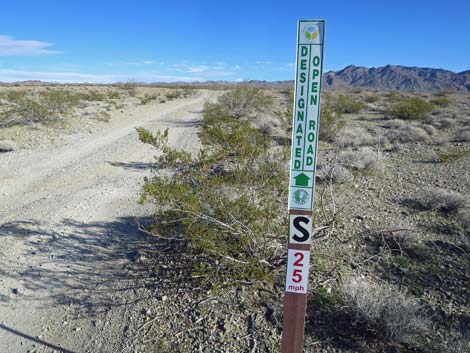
(70, 279)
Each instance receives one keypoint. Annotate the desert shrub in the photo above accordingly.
(372, 98)
(59, 101)
(410, 108)
(92, 95)
(364, 158)
(331, 122)
(385, 309)
(354, 137)
(394, 124)
(114, 95)
(335, 173)
(441, 200)
(147, 98)
(130, 88)
(240, 102)
(346, 104)
(430, 130)
(216, 202)
(393, 96)
(407, 133)
(452, 154)
(442, 101)
(463, 136)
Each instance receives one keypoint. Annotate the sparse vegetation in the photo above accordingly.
(364, 158)
(347, 104)
(386, 310)
(331, 123)
(441, 200)
(410, 109)
(216, 201)
(452, 154)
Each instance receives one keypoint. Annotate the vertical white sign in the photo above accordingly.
(305, 126)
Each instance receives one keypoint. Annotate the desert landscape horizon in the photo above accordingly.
(217, 177)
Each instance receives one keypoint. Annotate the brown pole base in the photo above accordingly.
(295, 305)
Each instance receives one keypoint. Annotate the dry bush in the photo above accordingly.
(431, 130)
(335, 173)
(365, 158)
(442, 200)
(355, 137)
(408, 133)
(463, 136)
(373, 98)
(385, 309)
(441, 123)
(394, 124)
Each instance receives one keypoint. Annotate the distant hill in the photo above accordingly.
(399, 78)
(390, 77)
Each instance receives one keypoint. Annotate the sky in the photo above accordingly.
(152, 41)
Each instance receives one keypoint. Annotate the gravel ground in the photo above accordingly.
(72, 272)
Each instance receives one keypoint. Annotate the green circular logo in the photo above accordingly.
(311, 32)
(300, 196)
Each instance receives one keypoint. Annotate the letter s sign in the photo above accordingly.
(300, 229)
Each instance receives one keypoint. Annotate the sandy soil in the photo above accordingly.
(70, 279)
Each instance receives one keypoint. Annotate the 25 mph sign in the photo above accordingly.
(305, 128)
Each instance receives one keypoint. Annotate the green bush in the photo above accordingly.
(410, 108)
(346, 104)
(227, 204)
(373, 98)
(331, 122)
(147, 98)
(441, 101)
(240, 102)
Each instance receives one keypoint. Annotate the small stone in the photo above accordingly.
(19, 291)
(164, 298)
(7, 146)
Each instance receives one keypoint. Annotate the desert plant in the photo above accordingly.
(452, 154)
(365, 158)
(240, 102)
(387, 310)
(216, 202)
(410, 108)
(463, 136)
(407, 133)
(331, 123)
(372, 98)
(442, 101)
(442, 200)
(346, 104)
(355, 137)
(147, 98)
(334, 172)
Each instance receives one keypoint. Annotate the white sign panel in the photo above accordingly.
(305, 127)
(297, 271)
(300, 229)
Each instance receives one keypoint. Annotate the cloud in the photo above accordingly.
(264, 62)
(211, 71)
(13, 47)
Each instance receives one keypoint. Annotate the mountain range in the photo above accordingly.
(389, 77)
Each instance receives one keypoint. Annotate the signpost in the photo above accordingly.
(305, 130)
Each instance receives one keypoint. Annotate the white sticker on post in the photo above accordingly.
(297, 271)
(300, 229)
